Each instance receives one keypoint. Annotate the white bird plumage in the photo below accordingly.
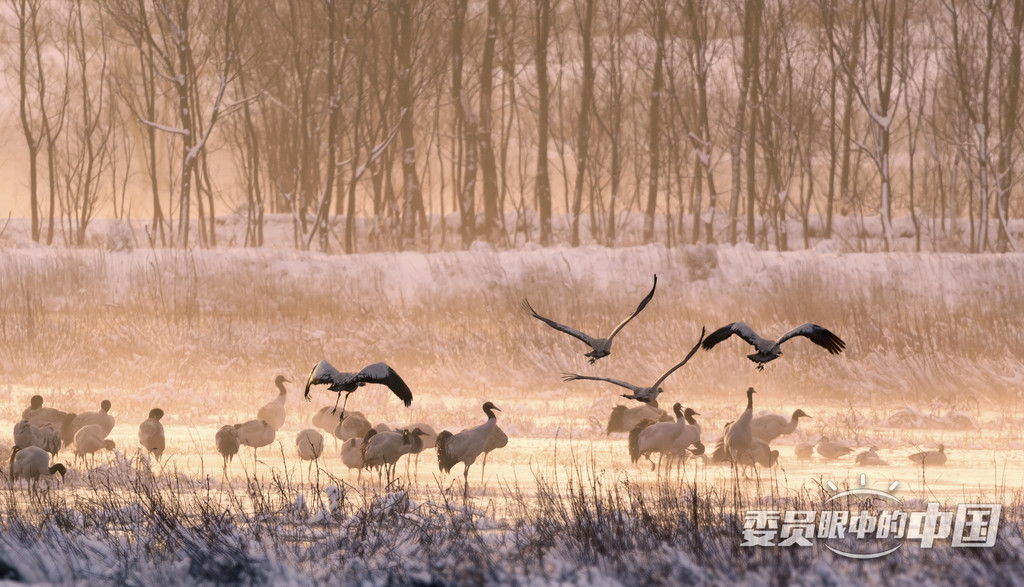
(930, 458)
(31, 463)
(102, 418)
(309, 443)
(465, 446)
(832, 449)
(601, 347)
(273, 412)
(768, 350)
(660, 437)
(38, 415)
(352, 425)
(624, 419)
(45, 437)
(151, 433)
(758, 452)
(352, 454)
(768, 427)
(804, 451)
(429, 438)
(255, 433)
(740, 435)
(870, 458)
(642, 394)
(91, 439)
(383, 449)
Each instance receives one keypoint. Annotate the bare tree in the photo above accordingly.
(465, 131)
(585, 22)
(751, 78)
(168, 31)
(542, 185)
(485, 129)
(611, 106)
(86, 151)
(412, 197)
(1010, 116)
(702, 26)
(660, 25)
(972, 60)
(878, 93)
(27, 14)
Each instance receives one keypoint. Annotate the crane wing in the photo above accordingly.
(324, 373)
(575, 377)
(562, 327)
(643, 304)
(819, 336)
(496, 439)
(683, 362)
(738, 328)
(383, 374)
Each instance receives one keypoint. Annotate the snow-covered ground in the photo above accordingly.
(932, 356)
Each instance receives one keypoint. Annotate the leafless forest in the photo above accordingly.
(444, 123)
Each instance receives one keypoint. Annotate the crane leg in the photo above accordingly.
(465, 482)
(348, 393)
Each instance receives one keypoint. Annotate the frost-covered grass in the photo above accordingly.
(585, 525)
(209, 328)
(933, 338)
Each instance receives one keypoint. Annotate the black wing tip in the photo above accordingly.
(829, 339)
(529, 307)
(717, 336)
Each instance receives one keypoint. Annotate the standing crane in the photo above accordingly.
(151, 433)
(255, 433)
(32, 463)
(465, 446)
(309, 443)
(273, 412)
(227, 444)
(739, 436)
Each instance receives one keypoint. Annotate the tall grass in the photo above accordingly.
(126, 525)
(214, 327)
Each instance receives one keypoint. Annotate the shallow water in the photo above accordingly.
(972, 473)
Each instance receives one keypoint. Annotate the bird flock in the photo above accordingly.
(674, 437)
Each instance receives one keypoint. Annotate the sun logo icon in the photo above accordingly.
(842, 524)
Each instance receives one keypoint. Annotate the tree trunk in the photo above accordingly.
(412, 198)
(542, 21)
(654, 119)
(583, 128)
(488, 165)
